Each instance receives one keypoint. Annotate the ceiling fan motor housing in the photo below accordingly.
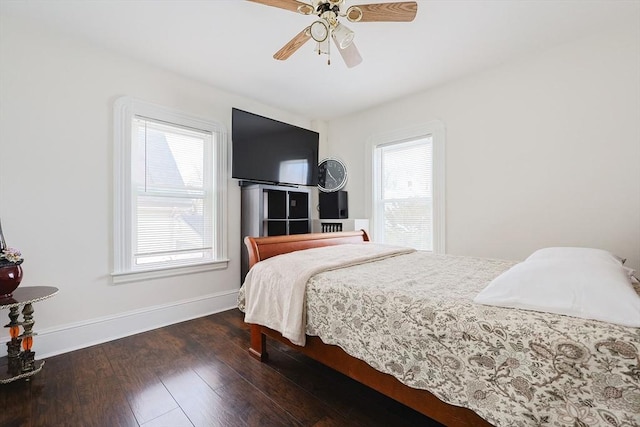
(328, 7)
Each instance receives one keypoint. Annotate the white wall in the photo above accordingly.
(56, 174)
(541, 151)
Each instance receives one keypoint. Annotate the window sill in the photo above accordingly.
(139, 276)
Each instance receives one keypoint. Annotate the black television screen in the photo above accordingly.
(266, 150)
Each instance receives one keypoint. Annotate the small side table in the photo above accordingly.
(21, 363)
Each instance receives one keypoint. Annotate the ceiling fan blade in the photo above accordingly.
(383, 12)
(292, 5)
(350, 54)
(294, 44)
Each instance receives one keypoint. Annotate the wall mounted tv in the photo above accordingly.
(266, 150)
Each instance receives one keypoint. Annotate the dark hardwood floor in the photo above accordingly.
(195, 373)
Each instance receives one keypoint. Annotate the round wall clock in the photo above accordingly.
(332, 174)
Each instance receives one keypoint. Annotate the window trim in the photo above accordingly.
(434, 129)
(125, 109)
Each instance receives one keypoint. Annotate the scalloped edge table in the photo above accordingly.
(20, 364)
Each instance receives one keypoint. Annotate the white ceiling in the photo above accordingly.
(229, 43)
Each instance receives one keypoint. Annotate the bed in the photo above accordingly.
(471, 365)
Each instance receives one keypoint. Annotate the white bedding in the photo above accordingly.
(273, 293)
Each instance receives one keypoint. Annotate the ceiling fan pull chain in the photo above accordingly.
(329, 46)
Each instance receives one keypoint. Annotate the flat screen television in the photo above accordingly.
(269, 151)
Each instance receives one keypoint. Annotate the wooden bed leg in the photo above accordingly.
(258, 349)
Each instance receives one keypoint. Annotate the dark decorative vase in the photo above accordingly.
(10, 278)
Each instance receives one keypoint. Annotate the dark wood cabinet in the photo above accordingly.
(273, 210)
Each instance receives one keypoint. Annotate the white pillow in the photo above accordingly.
(599, 290)
(580, 254)
(585, 254)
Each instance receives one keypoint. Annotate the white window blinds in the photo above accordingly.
(172, 218)
(404, 203)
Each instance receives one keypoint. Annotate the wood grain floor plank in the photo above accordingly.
(295, 400)
(253, 406)
(195, 373)
(198, 401)
(91, 365)
(174, 418)
(105, 404)
(57, 402)
(147, 396)
(15, 400)
(214, 372)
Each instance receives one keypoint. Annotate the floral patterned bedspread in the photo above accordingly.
(412, 316)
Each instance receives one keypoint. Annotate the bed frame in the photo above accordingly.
(261, 248)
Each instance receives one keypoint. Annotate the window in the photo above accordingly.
(408, 188)
(169, 192)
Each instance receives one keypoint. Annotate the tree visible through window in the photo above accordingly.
(405, 200)
(404, 203)
(407, 186)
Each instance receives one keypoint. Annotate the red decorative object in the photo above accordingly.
(10, 278)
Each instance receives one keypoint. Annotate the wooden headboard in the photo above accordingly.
(261, 248)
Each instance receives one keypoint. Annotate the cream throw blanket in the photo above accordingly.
(273, 293)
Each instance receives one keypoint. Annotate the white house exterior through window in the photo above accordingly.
(169, 192)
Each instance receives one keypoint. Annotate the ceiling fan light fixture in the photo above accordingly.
(354, 14)
(343, 36)
(319, 31)
(306, 9)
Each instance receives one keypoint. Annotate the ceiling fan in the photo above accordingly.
(328, 27)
